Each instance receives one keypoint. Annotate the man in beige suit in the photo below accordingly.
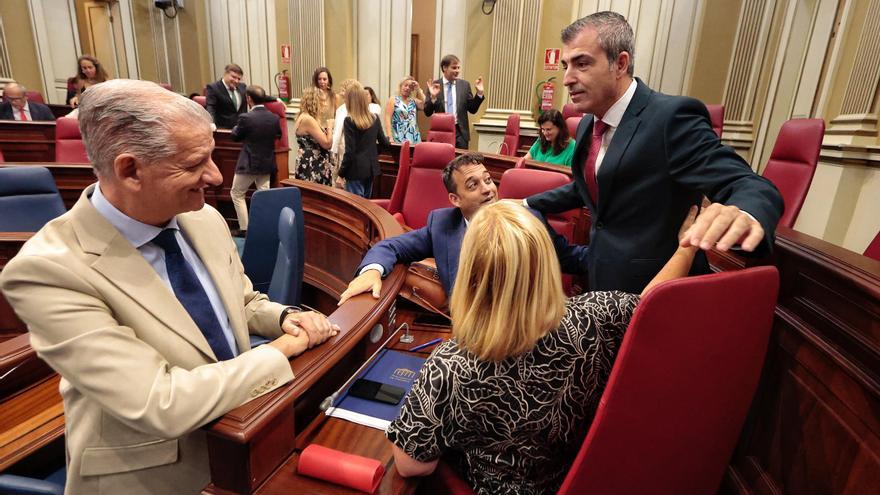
(138, 299)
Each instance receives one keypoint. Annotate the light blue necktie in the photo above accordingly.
(449, 108)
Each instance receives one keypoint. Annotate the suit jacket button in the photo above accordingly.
(600, 225)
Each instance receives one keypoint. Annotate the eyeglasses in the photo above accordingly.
(15, 98)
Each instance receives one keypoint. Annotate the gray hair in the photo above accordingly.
(138, 117)
(615, 35)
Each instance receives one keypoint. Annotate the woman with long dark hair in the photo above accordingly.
(88, 73)
(554, 145)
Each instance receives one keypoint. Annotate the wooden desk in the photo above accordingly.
(27, 141)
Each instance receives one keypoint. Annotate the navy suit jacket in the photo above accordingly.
(465, 102)
(38, 111)
(662, 159)
(441, 239)
(258, 129)
(220, 106)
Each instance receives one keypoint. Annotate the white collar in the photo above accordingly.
(615, 114)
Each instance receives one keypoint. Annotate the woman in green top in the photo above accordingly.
(554, 144)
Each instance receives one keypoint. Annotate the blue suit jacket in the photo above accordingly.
(441, 239)
(662, 159)
(39, 112)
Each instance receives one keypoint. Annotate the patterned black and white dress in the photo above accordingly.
(515, 426)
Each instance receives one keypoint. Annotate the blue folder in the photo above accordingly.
(390, 367)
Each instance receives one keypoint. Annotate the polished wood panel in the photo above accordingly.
(27, 141)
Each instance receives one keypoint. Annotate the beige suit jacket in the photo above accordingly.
(138, 377)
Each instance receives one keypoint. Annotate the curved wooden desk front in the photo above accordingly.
(250, 442)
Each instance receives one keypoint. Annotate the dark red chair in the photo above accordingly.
(511, 136)
(873, 249)
(69, 146)
(442, 129)
(519, 183)
(716, 116)
(2, 160)
(279, 109)
(201, 100)
(793, 163)
(419, 187)
(569, 110)
(572, 124)
(166, 86)
(680, 388)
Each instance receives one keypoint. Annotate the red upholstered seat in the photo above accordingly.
(569, 110)
(716, 116)
(572, 124)
(873, 249)
(442, 129)
(679, 390)
(166, 86)
(793, 163)
(511, 136)
(2, 160)
(279, 109)
(519, 183)
(419, 187)
(69, 146)
(201, 100)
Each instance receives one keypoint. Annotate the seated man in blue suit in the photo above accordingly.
(470, 187)
(17, 106)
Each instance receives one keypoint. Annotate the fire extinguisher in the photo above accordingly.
(282, 82)
(545, 91)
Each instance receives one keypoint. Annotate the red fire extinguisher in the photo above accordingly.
(282, 82)
(544, 92)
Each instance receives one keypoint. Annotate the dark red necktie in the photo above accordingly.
(22, 115)
(599, 129)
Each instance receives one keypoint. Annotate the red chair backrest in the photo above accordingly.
(279, 109)
(511, 136)
(395, 203)
(569, 110)
(716, 116)
(680, 387)
(201, 100)
(166, 86)
(572, 124)
(793, 163)
(873, 249)
(442, 129)
(69, 146)
(2, 160)
(425, 191)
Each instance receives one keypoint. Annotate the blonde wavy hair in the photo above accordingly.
(310, 103)
(417, 94)
(357, 104)
(508, 292)
(345, 86)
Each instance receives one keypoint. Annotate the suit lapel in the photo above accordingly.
(455, 235)
(581, 149)
(629, 124)
(123, 266)
(215, 260)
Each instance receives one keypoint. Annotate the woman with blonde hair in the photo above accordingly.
(401, 110)
(88, 73)
(363, 135)
(313, 157)
(513, 392)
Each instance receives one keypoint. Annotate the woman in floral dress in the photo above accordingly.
(400, 112)
(313, 157)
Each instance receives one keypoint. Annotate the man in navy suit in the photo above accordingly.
(225, 99)
(470, 187)
(450, 94)
(259, 129)
(17, 106)
(652, 157)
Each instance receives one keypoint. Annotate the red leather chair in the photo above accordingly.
(201, 100)
(442, 129)
(519, 183)
(716, 116)
(511, 136)
(166, 86)
(572, 124)
(419, 187)
(569, 110)
(680, 388)
(873, 249)
(69, 146)
(793, 163)
(279, 109)
(2, 160)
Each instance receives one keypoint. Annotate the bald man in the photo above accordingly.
(17, 107)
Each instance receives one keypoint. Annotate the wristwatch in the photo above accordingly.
(286, 311)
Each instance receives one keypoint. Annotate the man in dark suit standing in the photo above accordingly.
(259, 129)
(642, 160)
(17, 106)
(225, 99)
(450, 94)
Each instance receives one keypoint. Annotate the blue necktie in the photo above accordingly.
(449, 108)
(191, 294)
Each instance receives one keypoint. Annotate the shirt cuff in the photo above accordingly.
(373, 266)
(525, 203)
